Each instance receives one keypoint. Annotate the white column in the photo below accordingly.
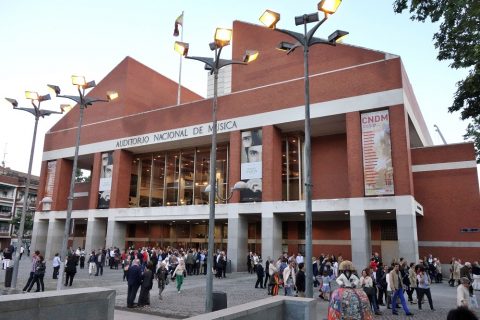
(39, 236)
(55, 232)
(116, 232)
(359, 234)
(96, 234)
(271, 236)
(407, 229)
(237, 246)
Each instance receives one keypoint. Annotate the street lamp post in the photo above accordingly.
(37, 113)
(83, 102)
(306, 40)
(222, 38)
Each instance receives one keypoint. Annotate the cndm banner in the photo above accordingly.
(377, 153)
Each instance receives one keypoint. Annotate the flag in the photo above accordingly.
(179, 21)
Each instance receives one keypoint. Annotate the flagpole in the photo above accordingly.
(180, 68)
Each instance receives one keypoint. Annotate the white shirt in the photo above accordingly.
(299, 259)
(463, 296)
(56, 261)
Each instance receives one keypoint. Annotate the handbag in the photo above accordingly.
(369, 291)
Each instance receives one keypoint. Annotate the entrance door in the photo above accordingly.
(389, 251)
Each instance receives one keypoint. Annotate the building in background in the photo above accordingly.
(12, 192)
(379, 183)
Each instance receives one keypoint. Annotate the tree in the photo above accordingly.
(27, 227)
(458, 39)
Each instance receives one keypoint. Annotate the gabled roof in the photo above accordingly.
(140, 88)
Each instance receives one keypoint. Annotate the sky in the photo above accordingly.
(45, 42)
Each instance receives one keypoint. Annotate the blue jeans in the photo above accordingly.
(399, 294)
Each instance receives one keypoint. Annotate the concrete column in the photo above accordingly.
(237, 246)
(359, 234)
(96, 234)
(39, 236)
(55, 232)
(407, 229)
(116, 232)
(271, 236)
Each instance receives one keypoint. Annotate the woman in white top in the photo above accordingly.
(463, 296)
(366, 282)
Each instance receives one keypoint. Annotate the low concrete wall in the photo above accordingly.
(274, 308)
(88, 303)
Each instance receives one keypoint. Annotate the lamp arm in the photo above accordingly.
(90, 101)
(74, 98)
(29, 110)
(322, 41)
(230, 194)
(44, 113)
(310, 33)
(207, 61)
(295, 35)
(222, 63)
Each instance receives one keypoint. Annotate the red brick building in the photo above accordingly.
(379, 184)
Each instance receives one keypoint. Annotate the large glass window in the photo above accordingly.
(158, 180)
(176, 177)
(292, 159)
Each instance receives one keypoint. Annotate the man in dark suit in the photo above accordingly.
(134, 277)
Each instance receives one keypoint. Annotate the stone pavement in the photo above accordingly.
(238, 286)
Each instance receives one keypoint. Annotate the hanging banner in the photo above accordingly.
(251, 166)
(105, 185)
(377, 153)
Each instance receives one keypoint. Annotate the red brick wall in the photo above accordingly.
(401, 159)
(329, 167)
(271, 164)
(122, 169)
(61, 187)
(234, 163)
(95, 179)
(355, 155)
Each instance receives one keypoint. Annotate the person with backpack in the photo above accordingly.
(38, 275)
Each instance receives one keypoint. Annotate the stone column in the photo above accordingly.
(116, 232)
(55, 232)
(359, 234)
(271, 235)
(39, 236)
(407, 229)
(237, 247)
(96, 234)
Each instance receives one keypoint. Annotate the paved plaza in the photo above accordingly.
(238, 286)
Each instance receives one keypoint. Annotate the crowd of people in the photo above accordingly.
(388, 285)
(399, 284)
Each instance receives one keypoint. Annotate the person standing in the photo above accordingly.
(38, 275)
(300, 280)
(56, 265)
(100, 261)
(146, 286)
(289, 278)
(267, 272)
(397, 290)
(92, 262)
(22, 250)
(412, 277)
(260, 274)
(32, 270)
(70, 269)
(178, 272)
(424, 288)
(463, 295)
(134, 281)
(249, 262)
(162, 279)
(82, 259)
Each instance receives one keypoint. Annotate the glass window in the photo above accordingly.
(158, 180)
(202, 167)
(134, 197)
(171, 183)
(187, 177)
(292, 178)
(221, 175)
(145, 178)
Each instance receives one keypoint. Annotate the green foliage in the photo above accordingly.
(473, 134)
(27, 227)
(82, 176)
(458, 40)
